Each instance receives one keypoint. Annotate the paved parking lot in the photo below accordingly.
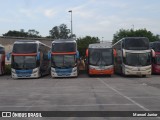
(84, 93)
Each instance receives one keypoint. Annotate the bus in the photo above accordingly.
(29, 59)
(64, 58)
(100, 59)
(2, 60)
(156, 58)
(133, 56)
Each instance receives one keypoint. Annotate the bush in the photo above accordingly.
(8, 69)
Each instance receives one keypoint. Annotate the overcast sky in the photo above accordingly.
(99, 18)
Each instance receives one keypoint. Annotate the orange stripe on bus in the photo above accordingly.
(28, 54)
(64, 53)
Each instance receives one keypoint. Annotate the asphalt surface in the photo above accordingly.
(116, 93)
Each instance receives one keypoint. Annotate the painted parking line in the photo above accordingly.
(128, 98)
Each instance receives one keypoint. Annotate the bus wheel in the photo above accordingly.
(109, 75)
(90, 75)
(143, 76)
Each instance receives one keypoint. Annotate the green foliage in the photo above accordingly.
(21, 33)
(60, 32)
(8, 69)
(15, 33)
(134, 33)
(33, 33)
(83, 43)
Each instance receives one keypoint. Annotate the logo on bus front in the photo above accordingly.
(101, 67)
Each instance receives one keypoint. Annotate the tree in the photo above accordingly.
(60, 32)
(22, 33)
(137, 33)
(15, 33)
(33, 33)
(54, 33)
(83, 43)
(63, 31)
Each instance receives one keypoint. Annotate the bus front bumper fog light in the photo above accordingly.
(34, 71)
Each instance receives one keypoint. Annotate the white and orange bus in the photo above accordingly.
(100, 59)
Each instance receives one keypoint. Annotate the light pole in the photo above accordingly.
(102, 39)
(133, 27)
(71, 23)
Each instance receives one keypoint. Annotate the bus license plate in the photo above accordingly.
(138, 73)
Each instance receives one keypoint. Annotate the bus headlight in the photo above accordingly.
(74, 69)
(53, 70)
(91, 67)
(13, 71)
(34, 71)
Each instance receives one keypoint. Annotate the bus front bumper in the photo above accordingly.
(104, 70)
(71, 72)
(23, 74)
(101, 72)
(131, 70)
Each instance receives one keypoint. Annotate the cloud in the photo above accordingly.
(34, 13)
(83, 11)
(49, 13)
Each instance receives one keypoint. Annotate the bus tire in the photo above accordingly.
(109, 75)
(143, 76)
(90, 75)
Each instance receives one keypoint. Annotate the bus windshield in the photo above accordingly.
(100, 57)
(25, 48)
(63, 61)
(136, 44)
(138, 59)
(24, 62)
(64, 47)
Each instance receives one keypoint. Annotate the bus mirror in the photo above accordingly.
(114, 53)
(124, 53)
(38, 56)
(49, 55)
(8, 56)
(77, 54)
(87, 52)
(153, 53)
